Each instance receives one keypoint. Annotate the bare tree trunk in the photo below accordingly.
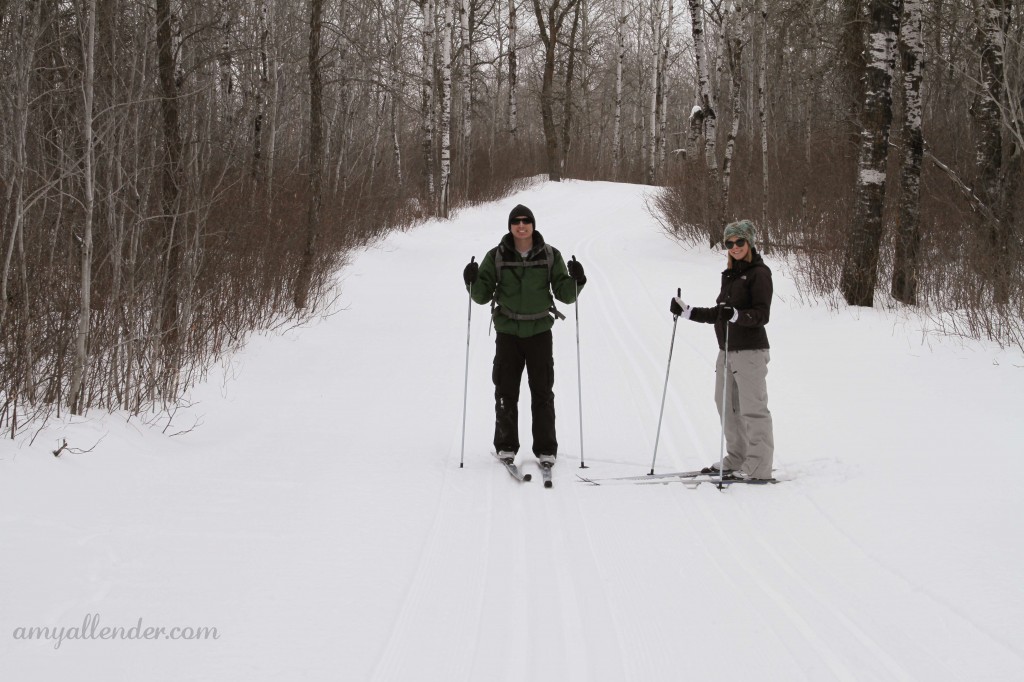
(172, 183)
(735, 26)
(467, 90)
(15, 185)
(567, 106)
(275, 104)
(620, 34)
(707, 117)
(652, 133)
(908, 232)
(860, 266)
(992, 18)
(662, 93)
(396, 145)
(550, 24)
(87, 23)
(427, 106)
(513, 65)
(446, 109)
(762, 112)
(259, 170)
(316, 114)
(851, 48)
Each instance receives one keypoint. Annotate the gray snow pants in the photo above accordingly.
(749, 441)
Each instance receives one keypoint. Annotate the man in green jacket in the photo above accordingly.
(518, 277)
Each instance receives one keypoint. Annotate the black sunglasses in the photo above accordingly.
(738, 242)
(524, 221)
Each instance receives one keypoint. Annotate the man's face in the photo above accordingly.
(522, 227)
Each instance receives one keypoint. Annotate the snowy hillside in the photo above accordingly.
(318, 518)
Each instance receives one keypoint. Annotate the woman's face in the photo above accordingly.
(738, 248)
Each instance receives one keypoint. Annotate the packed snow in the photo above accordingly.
(312, 508)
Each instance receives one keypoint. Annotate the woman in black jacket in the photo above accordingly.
(743, 307)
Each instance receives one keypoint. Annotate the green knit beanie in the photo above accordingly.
(740, 228)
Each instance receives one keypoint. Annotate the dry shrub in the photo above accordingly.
(809, 212)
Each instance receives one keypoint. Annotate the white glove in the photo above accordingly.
(680, 308)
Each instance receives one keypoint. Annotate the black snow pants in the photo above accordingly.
(511, 355)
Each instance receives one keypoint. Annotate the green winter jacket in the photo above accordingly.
(523, 290)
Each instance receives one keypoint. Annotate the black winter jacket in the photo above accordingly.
(747, 287)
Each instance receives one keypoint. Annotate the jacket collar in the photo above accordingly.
(509, 244)
(742, 266)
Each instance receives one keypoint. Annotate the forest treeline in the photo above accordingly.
(179, 173)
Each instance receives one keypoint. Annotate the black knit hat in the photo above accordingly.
(519, 212)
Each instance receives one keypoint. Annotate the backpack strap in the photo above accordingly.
(500, 262)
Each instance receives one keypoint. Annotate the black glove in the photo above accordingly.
(726, 313)
(470, 273)
(679, 308)
(576, 271)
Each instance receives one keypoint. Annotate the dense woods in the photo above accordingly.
(177, 174)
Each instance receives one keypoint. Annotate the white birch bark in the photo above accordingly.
(467, 90)
(706, 119)
(427, 101)
(734, 39)
(445, 36)
(860, 266)
(652, 133)
(908, 231)
(662, 92)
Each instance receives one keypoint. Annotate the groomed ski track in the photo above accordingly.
(514, 582)
(400, 565)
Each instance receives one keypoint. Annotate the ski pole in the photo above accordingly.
(725, 393)
(579, 377)
(465, 383)
(661, 413)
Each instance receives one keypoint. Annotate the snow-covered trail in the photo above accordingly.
(320, 519)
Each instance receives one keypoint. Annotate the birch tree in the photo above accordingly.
(860, 264)
(703, 117)
(444, 199)
(735, 39)
(908, 230)
(466, 16)
(652, 133)
(620, 56)
(662, 90)
(427, 101)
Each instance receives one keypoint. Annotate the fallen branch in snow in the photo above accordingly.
(77, 451)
